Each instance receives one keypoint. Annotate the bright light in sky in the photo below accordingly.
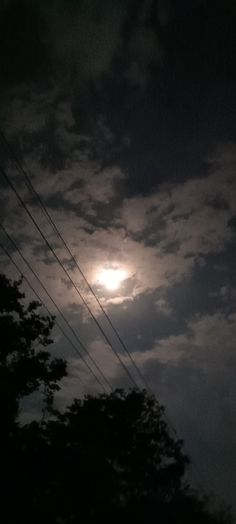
(112, 278)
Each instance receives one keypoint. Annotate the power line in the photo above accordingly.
(66, 336)
(68, 276)
(55, 228)
(30, 185)
(52, 222)
(49, 312)
(4, 249)
(59, 311)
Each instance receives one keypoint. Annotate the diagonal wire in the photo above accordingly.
(6, 177)
(60, 312)
(6, 252)
(58, 233)
(30, 185)
(195, 470)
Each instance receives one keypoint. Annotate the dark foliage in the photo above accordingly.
(24, 366)
(106, 459)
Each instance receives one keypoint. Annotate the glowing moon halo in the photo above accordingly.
(111, 278)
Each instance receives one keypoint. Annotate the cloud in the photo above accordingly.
(145, 52)
(186, 222)
(193, 376)
(206, 348)
(63, 39)
(88, 39)
(207, 345)
(73, 44)
(80, 381)
(163, 307)
(158, 239)
(85, 38)
(25, 115)
(192, 215)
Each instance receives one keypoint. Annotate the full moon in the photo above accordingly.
(112, 278)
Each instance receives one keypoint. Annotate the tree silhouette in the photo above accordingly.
(126, 457)
(109, 458)
(25, 365)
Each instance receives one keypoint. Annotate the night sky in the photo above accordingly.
(123, 116)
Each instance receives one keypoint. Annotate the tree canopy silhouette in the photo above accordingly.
(105, 459)
(25, 365)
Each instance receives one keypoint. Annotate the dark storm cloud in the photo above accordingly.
(91, 53)
(76, 41)
(76, 53)
(123, 114)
